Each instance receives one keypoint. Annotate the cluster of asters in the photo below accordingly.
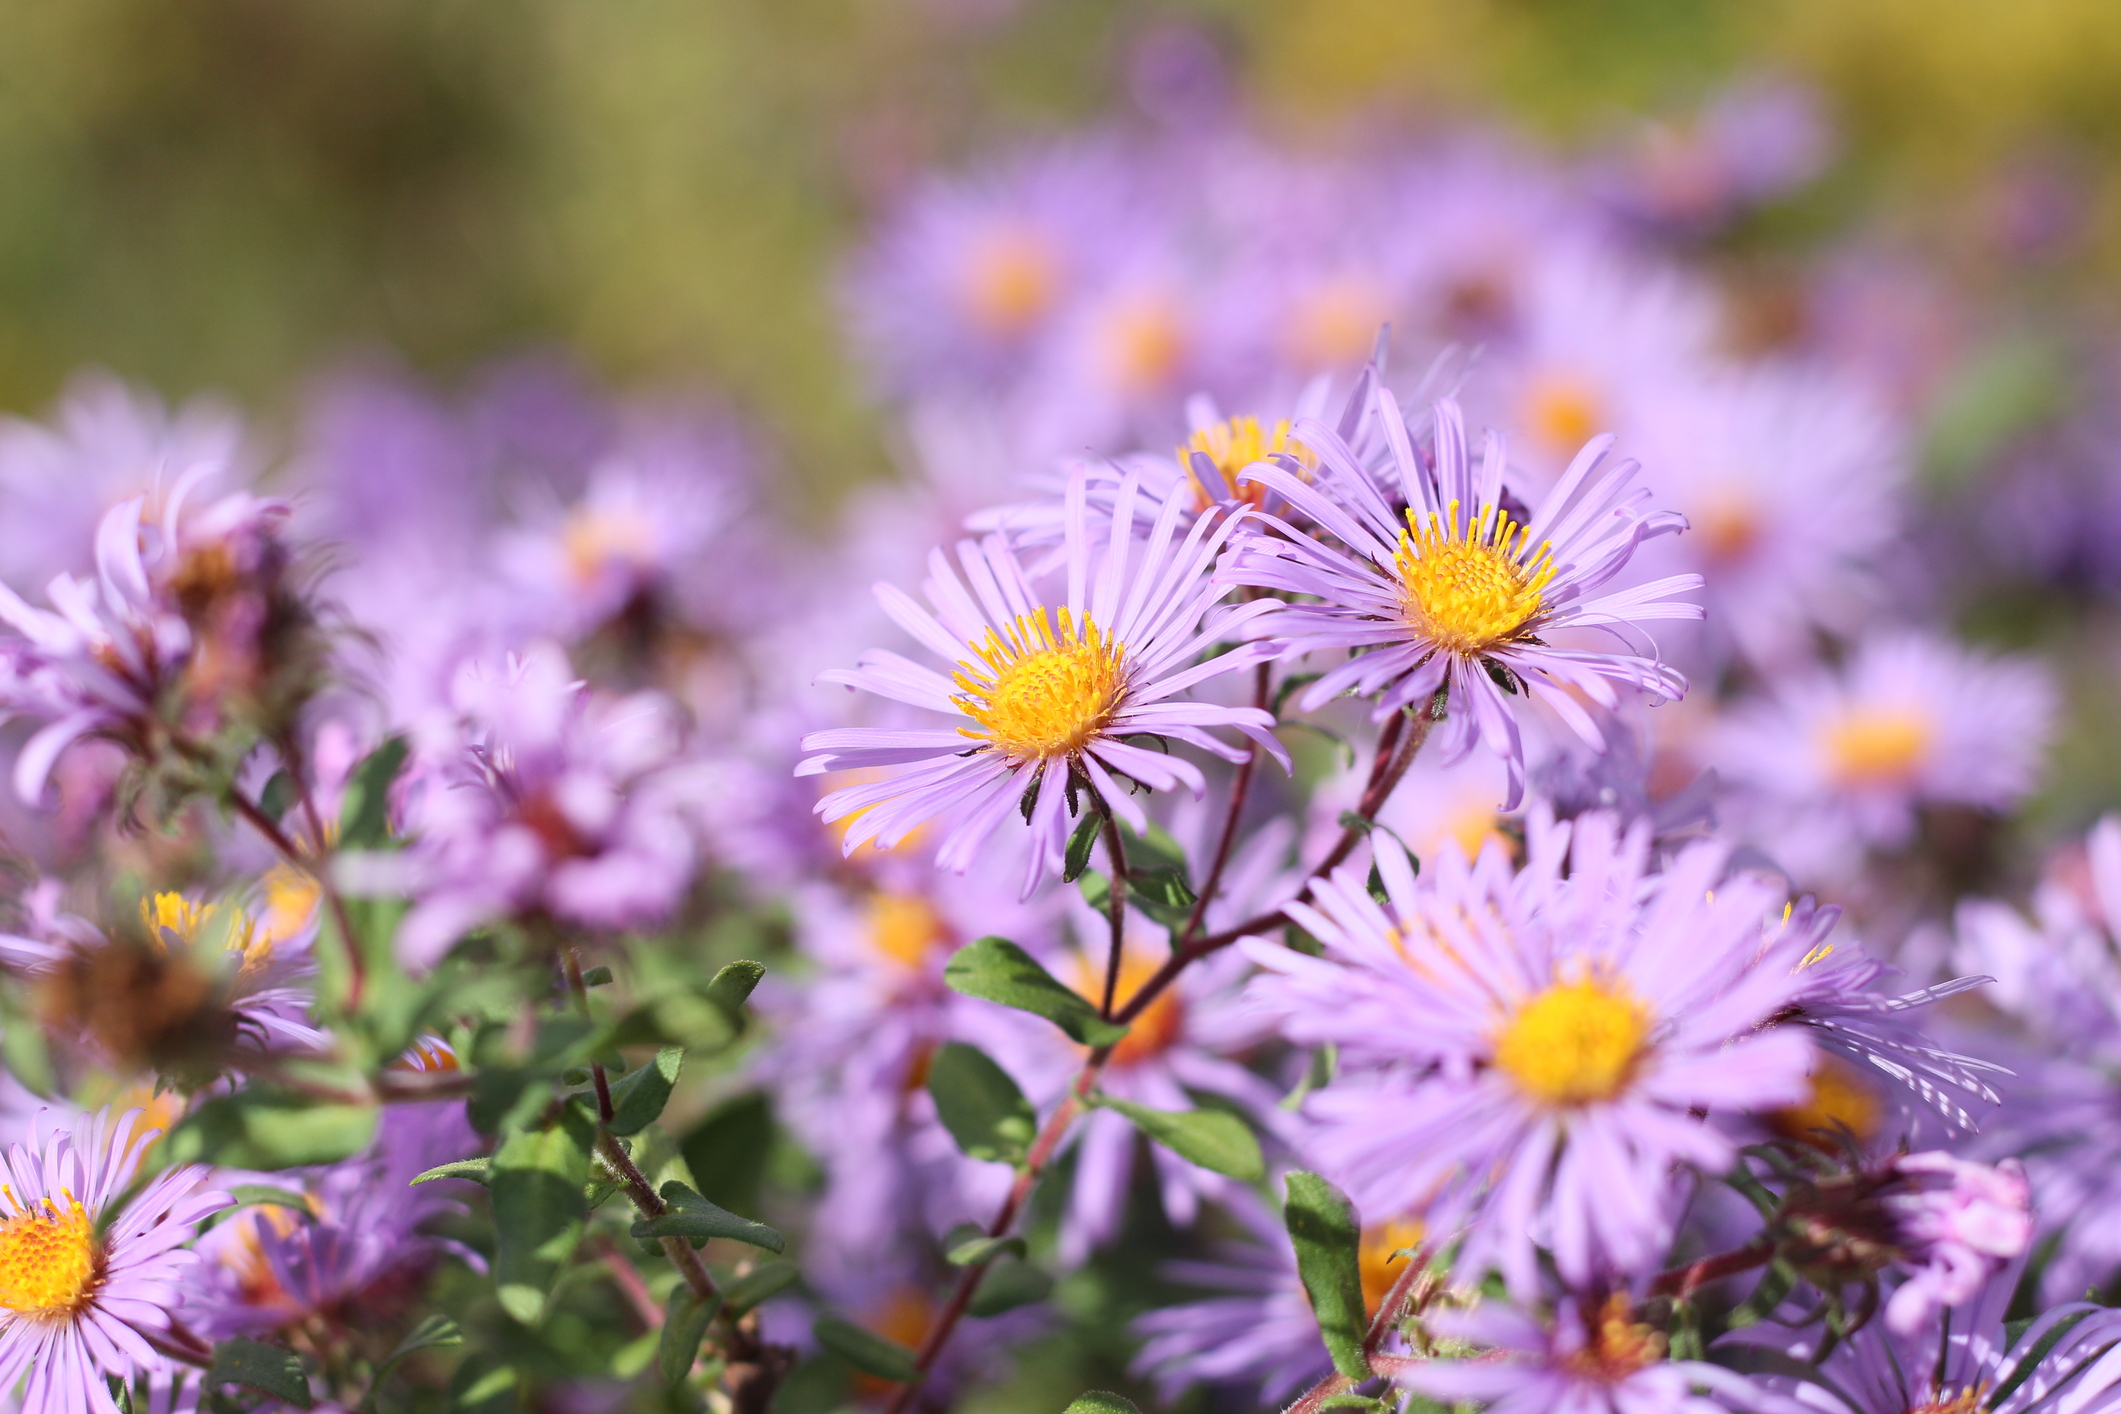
(1344, 820)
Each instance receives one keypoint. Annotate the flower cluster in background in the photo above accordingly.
(1414, 799)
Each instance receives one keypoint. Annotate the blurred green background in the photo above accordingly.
(229, 194)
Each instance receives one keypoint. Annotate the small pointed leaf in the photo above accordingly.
(638, 1100)
(760, 1284)
(1008, 1286)
(697, 1220)
(1328, 1240)
(997, 970)
(269, 1369)
(685, 1323)
(865, 1349)
(980, 1105)
(1099, 1401)
(477, 1170)
(1215, 1139)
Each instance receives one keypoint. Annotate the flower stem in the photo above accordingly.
(1682, 1282)
(1116, 908)
(315, 866)
(1262, 679)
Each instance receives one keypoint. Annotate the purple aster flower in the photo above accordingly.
(1791, 479)
(1959, 1223)
(1961, 1360)
(1044, 709)
(970, 275)
(1835, 761)
(853, 1041)
(1530, 1053)
(1583, 1359)
(2059, 986)
(88, 1292)
(1258, 1331)
(357, 1254)
(105, 443)
(1453, 592)
(1753, 142)
(1866, 1036)
(542, 796)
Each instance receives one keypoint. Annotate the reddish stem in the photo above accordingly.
(1262, 679)
(1116, 909)
(1683, 1282)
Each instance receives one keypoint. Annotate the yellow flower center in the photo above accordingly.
(1038, 694)
(1967, 1401)
(188, 922)
(1468, 589)
(1574, 1043)
(1617, 1347)
(1335, 323)
(1142, 343)
(291, 898)
(1563, 411)
(1729, 525)
(48, 1258)
(904, 928)
(1010, 281)
(1878, 746)
(1378, 1260)
(1234, 444)
(594, 539)
(1839, 1097)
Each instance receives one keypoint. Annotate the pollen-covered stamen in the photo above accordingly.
(48, 1257)
(1470, 585)
(1574, 1043)
(1037, 693)
(1232, 445)
(1970, 1400)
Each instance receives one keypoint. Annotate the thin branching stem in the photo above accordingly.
(1115, 909)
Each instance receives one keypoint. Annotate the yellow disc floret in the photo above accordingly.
(1469, 588)
(904, 927)
(1037, 693)
(1234, 444)
(48, 1258)
(1010, 280)
(1378, 1258)
(1878, 746)
(188, 923)
(1575, 1043)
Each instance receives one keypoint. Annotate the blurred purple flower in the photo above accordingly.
(1959, 1223)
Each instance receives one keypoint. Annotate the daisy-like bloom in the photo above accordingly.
(85, 1291)
(542, 796)
(1965, 1359)
(1584, 1358)
(967, 279)
(358, 1254)
(1046, 703)
(1792, 480)
(2058, 984)
(1529, 1054)
(1258, 1332)
(213, 985)
(1836, 761)
(104, 443)
(1869, 1039)
(1446, 589)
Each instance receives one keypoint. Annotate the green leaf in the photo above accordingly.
(1328, 1242)
(1101, 1401)
(865, 1349)
(1009, 1285)
(267, 1369)
(762, 1283)
(260, 1195)
(980, 1105)
(262, 1128)
(1162, 893)
(727, 1151)
(278, 795)
(364, 815)
(476, 1170)
(697, 1220)
(538, 1209)
(433, 1333)
(997, 970)
(685, 1322)
(732, 986)
(1080, 844)
(973, 1249)
(597, 977)
(1351, 1400)
(482, 1387)
(638, 1100)
(1215, 1139)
